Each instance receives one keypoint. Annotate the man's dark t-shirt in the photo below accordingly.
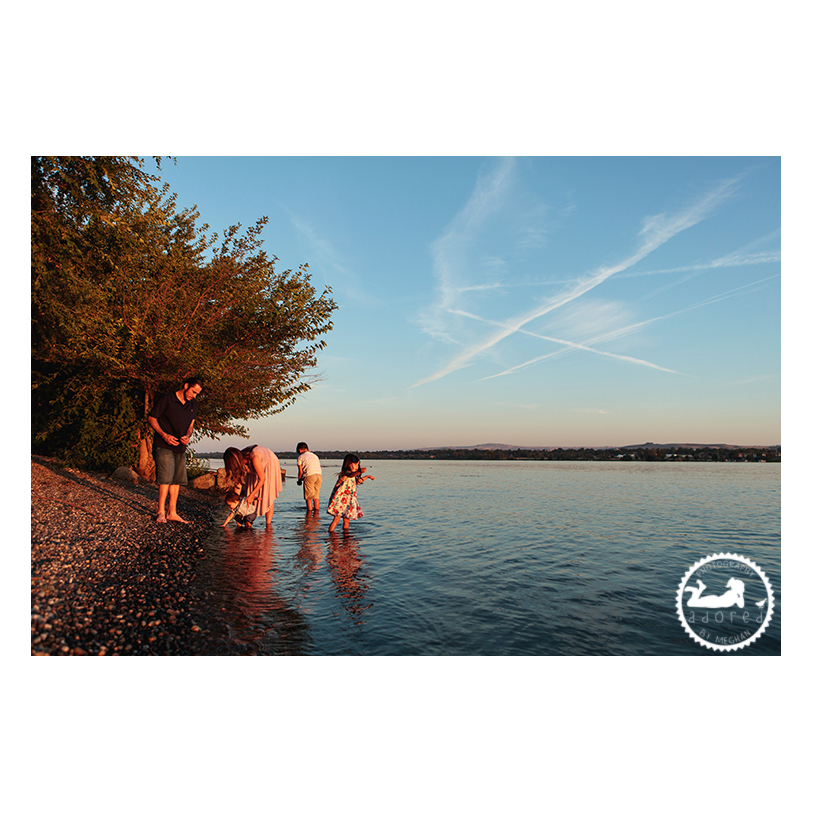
(174, 418)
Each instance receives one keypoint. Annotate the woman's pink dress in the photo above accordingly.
(273, 479)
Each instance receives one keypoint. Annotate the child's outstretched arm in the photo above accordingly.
(229, 519)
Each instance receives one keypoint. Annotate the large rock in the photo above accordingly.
(204, 482)
(124, 474)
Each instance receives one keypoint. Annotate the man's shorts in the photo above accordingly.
(311, 484)
(170, 467)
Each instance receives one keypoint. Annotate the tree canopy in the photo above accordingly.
(129, 296)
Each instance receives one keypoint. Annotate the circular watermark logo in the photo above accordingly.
(725, 602)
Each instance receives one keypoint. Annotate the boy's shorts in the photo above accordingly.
(311, 484)
(170, 467)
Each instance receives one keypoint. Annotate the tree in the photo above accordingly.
(129, 297)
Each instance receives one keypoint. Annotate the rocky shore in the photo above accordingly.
(106, 578)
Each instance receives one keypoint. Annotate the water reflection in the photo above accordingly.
(346, 567)
(254, 609)
(311, 553)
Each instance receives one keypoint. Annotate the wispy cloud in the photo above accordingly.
(328, 259)
(757, 379)
(452, 246)
(655, 231)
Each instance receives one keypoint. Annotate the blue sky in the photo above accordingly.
(532, 301)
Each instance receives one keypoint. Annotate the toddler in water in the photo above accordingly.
(343, 502)
(240, 510)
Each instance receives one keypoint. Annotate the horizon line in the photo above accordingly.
(521, 447)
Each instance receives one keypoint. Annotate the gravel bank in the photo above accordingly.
(106, 578)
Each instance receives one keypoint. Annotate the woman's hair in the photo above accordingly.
(235, 463)
(345, 472)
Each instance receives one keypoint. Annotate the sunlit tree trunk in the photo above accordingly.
(146, 463)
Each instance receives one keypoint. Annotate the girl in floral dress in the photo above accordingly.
(343, 502)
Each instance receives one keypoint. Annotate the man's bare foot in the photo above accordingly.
(160, 518)
(176, 518)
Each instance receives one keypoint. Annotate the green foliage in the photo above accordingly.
(195, 467)
(129, 297)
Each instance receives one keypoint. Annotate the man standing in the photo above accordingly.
(173, 419)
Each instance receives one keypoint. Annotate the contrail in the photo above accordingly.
(621, 332)
(742, 256)
(569, 345)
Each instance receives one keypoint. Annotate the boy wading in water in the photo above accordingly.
(309, 476)
(173, 419)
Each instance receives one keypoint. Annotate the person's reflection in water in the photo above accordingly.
(345, 564)
(309, 556)
(259, 617)
(310, 553)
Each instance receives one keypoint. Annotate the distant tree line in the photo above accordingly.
(769, 454)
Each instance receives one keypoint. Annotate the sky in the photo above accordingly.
(529, 301)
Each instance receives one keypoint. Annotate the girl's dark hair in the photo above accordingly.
(345, 472)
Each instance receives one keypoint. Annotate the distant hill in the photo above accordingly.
(486, 447)
(647, 445)
(651, 445)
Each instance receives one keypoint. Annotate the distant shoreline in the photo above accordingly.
(645, 452)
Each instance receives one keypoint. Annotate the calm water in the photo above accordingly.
(490, 558)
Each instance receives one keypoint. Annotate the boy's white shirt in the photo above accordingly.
(314, 467)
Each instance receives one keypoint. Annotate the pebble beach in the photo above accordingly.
(106, 578)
